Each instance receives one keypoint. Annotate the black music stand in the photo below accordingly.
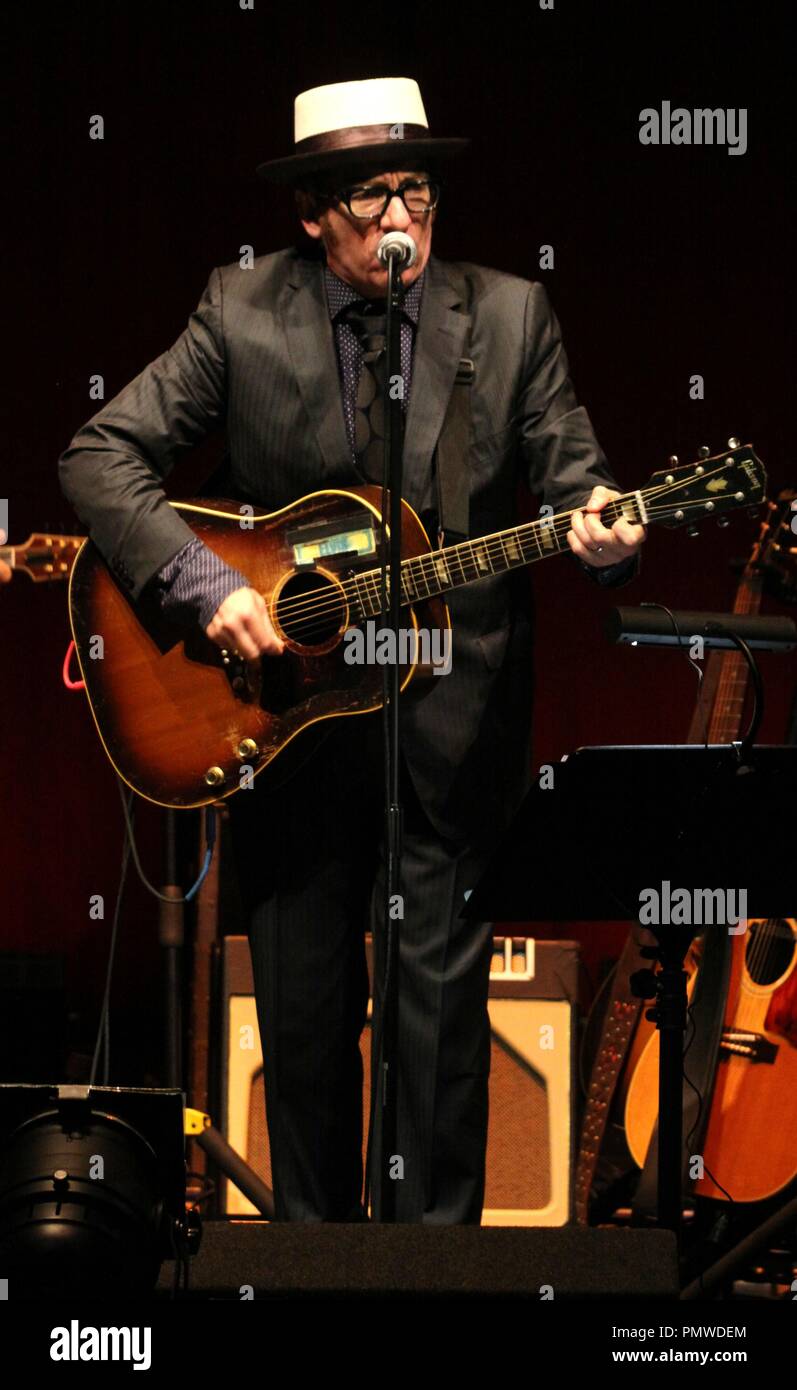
(620, 820)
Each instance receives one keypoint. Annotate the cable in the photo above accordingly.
(65, 676)
(130, 848)
(210, 840)
(696, 668)
(210, 845)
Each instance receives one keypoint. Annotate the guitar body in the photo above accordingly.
(639, 1087)
(749, 1142)
(181, 723)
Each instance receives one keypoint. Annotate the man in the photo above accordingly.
(278, 353)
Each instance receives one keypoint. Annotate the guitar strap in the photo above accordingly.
(451, 454)
(615, 1040)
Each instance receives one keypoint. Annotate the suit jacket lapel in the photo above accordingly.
(438, 347)
(311, 344)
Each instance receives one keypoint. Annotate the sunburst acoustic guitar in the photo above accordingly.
(180, 719)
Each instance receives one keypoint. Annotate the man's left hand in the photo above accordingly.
(593, 542)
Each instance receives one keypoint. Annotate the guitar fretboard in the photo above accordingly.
(438, 571)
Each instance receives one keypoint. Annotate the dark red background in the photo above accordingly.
(669, 262)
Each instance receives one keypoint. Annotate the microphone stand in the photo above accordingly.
(386, 1084)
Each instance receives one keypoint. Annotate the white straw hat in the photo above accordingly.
(378, 121)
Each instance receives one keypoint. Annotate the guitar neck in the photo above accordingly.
(439, 571)
(727, 675)
(726, 723)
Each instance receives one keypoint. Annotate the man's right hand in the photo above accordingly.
(242, 624)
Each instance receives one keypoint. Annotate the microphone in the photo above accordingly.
(398, 247)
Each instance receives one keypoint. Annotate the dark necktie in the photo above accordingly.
(368, 323)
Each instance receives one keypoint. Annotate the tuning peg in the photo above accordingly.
(692, 531)
(672, 460)
(723, 521)
(704, 451)
(733, 442)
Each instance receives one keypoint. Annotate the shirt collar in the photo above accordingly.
(340, 295)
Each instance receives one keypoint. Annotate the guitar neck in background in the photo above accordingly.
(43, 558)
(727, 676)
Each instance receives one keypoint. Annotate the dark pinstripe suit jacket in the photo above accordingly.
(258, 359)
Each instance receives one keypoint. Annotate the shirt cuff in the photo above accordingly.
(613, 576)
(194, 583)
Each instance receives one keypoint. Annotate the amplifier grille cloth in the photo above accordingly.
(518, 1108)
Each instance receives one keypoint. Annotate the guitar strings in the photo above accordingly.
(762, 949)
(559, 525)
(764, 945)
(756, 955)
(366, 586)
(349, 591)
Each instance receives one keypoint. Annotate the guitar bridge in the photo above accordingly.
(754, 1046)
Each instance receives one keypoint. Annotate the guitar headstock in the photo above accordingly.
(775, 552)
(685, 494)
(47, 557)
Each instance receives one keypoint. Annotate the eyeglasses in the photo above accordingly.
(366, 201)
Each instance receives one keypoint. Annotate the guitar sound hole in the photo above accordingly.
(310, 609)
(770, 948)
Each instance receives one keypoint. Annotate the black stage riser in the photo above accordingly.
(296, 1259)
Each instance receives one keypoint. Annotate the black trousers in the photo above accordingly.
(311, 864)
